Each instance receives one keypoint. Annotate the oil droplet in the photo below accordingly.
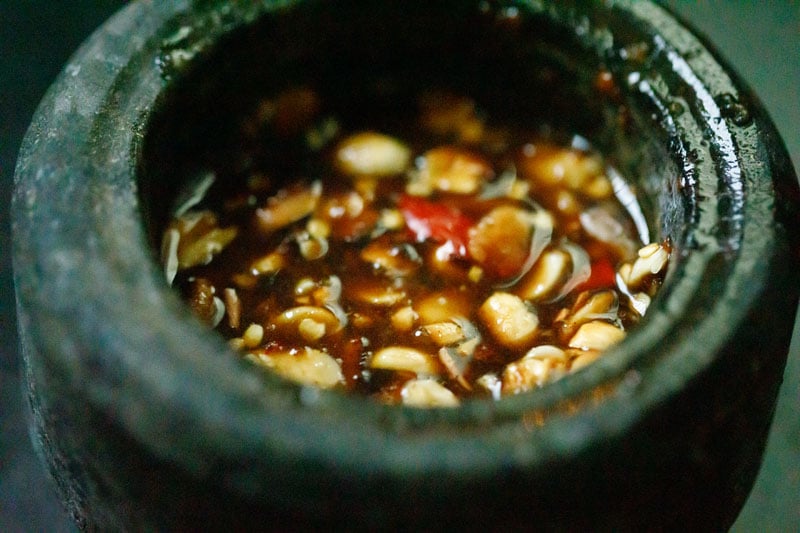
(731, 109)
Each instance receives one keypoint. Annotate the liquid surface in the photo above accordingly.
(437, 257)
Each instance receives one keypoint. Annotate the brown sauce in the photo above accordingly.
(440, 258)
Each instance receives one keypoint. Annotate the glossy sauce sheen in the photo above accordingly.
(435, 229)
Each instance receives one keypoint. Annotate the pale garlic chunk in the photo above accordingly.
(373, 154)
(450, 169)
(519, 190)
(361, 321)
(396, 259)
(442, 306)
(510, 321)
(531, 372)
(403, 319)
(596, 335)
(547, 275)
(566, 202)
(457, 360)
(268, 264)
(445, 333)
(233, 307)
(253, 335)
(598, 187)
(328, 294)
(377, 294)
(391, 219)
(404, 358)
(324, 293)
(311, 247)
(308, 367)
(652, 259)
(574, 170)
(303, 290)
(288, 207)
(311, 330)
(245, 280)
(347, 205)
(427, 393)
(491, 384)
(599, 305)
(475, 274)
(584, 359)
(319, 228)
(457, 347)
(439, 260)
(219, 312)
(200, 239)
(294, 317)
(203, 302)
(540, 365)
(508, 239)
(417, 186)
(547, 351)
(639, 301)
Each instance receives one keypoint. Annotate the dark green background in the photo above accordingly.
(761, 40)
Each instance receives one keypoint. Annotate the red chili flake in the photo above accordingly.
(437, 222)
(603, 276)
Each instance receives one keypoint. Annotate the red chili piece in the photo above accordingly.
(438, 222)
(603, 276)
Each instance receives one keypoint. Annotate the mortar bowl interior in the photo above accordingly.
(145, 416)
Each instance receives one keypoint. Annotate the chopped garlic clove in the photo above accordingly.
(427, 393)
(404, 358)
(584, 360)
(450, 169)
(287, 207)
(294, 317)
(253, 335)
(403, 319)
(308, 367)
(596, 335)
(268, 264)
(444, 333)
(510, 321)
(549, 273)
(529, 373)
(372, 154)
(442, 306)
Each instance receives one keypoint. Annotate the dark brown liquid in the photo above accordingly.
(286, 163)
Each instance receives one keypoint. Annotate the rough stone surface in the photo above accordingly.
(141, 429)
